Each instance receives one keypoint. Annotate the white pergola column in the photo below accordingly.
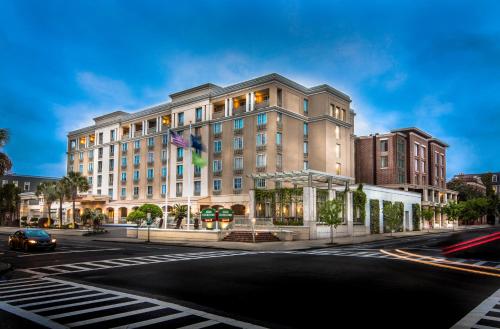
(132, 130)
(349, 213)
(247, 102)
(425, 195)
(158, 124)
(381, 216)
(226, 107)
(252, 100)
(251, 204)
(230, 106)
(309, 211)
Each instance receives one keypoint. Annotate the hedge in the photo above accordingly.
(374, 216)
(416, 216)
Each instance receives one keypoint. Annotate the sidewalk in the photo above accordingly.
(291, 245)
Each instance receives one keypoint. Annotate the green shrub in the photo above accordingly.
(416, 216)
(374, 216)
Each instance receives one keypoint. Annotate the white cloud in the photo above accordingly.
(104, 89)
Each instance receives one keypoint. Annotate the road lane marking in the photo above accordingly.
(439, 265)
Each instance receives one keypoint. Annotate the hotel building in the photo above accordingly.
(268, 124)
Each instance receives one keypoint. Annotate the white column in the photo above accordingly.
(425, 195)
(231, 106)
(226, 107)
(252, 100)
(144, 128)
(350, 221)
(445, 199)
(210, 110)
(309, 210)
(251, 204)
(158, 124)
(247, 102)
(381, 216)
(132, 130)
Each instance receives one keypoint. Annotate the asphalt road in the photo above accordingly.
(351, 286)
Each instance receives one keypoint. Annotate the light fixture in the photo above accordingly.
(32, 241)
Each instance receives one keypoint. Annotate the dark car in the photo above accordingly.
(28, 239)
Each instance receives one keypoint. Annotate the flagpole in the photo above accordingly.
(166, 178)
(189, 180)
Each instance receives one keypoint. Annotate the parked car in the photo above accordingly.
(28, 239)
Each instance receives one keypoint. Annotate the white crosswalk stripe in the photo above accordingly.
(485, 315)
(122, 262)
(91, 305)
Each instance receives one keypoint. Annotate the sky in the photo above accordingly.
(434, 65)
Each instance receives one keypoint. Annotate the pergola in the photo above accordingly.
(305, 178)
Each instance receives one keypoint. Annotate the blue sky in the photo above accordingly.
(430, 64)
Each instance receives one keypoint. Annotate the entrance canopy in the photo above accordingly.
(306, 177)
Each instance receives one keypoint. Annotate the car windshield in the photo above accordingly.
(36, 234)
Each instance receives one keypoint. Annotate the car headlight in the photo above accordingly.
(53, 240)
(32, 241)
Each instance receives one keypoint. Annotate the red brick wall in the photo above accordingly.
(364, 160)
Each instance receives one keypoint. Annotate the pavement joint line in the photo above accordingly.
(446, 261)
(439, 265)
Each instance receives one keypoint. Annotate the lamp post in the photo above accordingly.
(253, 229)
(148, 222)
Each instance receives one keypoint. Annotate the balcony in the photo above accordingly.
(124, 151)
(136, 180)
(237, 191)
(164, 160)
(137, 150)
(261, 169)
(306, 155)
(240, 109)
(306, 137)
(217, 154)
(197, 193)
(218, 135)
(151, 163)
(262, 126)
(261, 147)
(179, 176)
(80, 159)
(219, 111)
(124, 181)
(279, 125)
(151, 146)
(197, 174)
(261, 105)
(137, 165)
(178, 194)
(216, 192)
(218, 173)
(151, 130)
(123, 197)
(149, 196)
(238, 131)
(138, 133)
(90, 171)
(136, 196)
(124, 166)
(238, 152)
(179, 159)
(238, 171)
(279, 148)
(150, 179)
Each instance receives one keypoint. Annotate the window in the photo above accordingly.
(198, 114)
(494, 178)
(26, 186)
(238, 163)
(112, 135)
(261, 160)
(98, 192)
(384, 145)
(124, 161)
(164, 172)
(180, 154)
(260, 183)
(416, 150)
(110, 193)
(422, 152)
(137, 159)
(150, 190)
(441, 160)
(337, 151)
(91, 154)
(344, 115)
(101, 138)
(136, 175)
(332, 110)
(422, 167)
(306, 165)
(80, 155)
(217, 146)
(416, 165)
(261, 139)
(124, 176)
(111, 164)
(279, 118)
(306, 129)
(137, 144)
(124, 147)
(261, 119)
(71, 157)
(180, 170)
(280, 97)
(150, 173)
(90, 167)
(124, 192)
(164, 139)
(178, 189)
(90, 179)
(337, 112)
(278, 138)
(237, 183)
(436, 158)
(111, 150)
(99, 152)
(72, 144)
(279, 160)
(238, 124)
(337, 132)
(197, 171)
(99, 180)
(238, 143)
(217, 166)
(306, 147)
(80, 168)
(442, 172)
(151, 157)
(136, 190)
(180, 119)
(164, 189)
(164, 155)
(197, 187)
(338, 168)
(416, 180)
(306, 106)
(217, 128)
(151, 141)
(217, 184)
(384, 161)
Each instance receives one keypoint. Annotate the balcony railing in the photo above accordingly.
(151, 130)
(138, 133)
(124, 181)
(261, 104)
(123, 197)
(261, 169)
(165, 127)
(136, 196)
(279, 125)
(137, 165)
(178, 194)
(238, 131)
(179, 176)
(90, 171)
(151, 163)
(197, 193)
(218, 173)
(124, 166)
(217, 154)
(180, 159)
(216, 192)
(236, 190)
(151, 146)
(164, 160)
(238, 171)
(279, 148)
(238, 152)
(149, 196)
(262, 126)
(239, 109)
(218, 134)
(261, 147)
(197, 174)
(136, 180)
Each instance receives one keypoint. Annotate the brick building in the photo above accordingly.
(408, 159)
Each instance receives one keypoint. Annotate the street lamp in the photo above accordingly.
(253, 229)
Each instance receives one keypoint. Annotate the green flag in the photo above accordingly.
(198, 160)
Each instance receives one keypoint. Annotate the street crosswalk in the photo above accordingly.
(343, 252)
(122, 262)
(57, 303)
(485, 315)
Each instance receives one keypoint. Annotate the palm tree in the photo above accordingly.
(75, 183)
(62, 191)
(49, 192)
(5, 163)
(179, 212)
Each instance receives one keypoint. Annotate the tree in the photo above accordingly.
(136, 216)
(427, 214)
(179, 212)
(62, 192)
(330, 214)
(452, 210)
(9, 202)
(359, 202)
(153, 209)
(75, 183)
(49, 193)
(474, 209)
(465, 191)
(93, 217)
(5, 162)
(392, 216)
